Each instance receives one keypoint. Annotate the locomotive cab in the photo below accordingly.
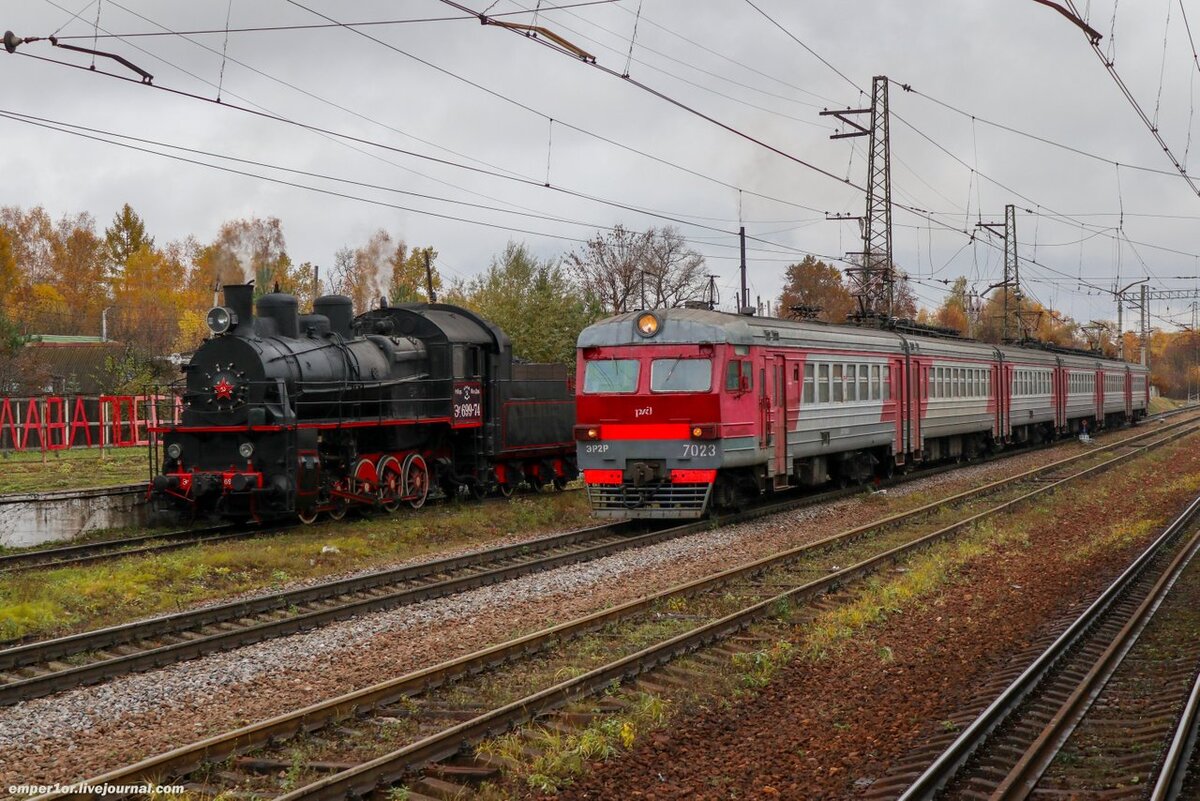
(653, 400)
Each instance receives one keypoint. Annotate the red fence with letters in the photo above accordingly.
(61, 422)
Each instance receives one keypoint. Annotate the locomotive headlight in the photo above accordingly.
(697, 432)
(174, 451)
(220, 319)
(246, 449)
(647, 324)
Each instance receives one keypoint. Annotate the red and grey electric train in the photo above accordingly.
(680, 409)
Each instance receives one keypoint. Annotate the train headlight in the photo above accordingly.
(647, 324)
(220, 319)
(174, 451)
(246, 449)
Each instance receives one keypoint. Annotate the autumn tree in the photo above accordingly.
(674, 272)
(904, 298)
(408, 282)
(9, 278)
(815, 284)
(534, 301)
(253, 249)
(615, 267)
(80, 269)
(124, 237)
(954, 312)
(359, 273)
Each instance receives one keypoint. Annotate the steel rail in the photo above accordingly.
(364, 779)
(1169, 785)
(951, 761)
(183, 760)
(1024, 776)
(46, 651)
(99, 550)
(56, 650)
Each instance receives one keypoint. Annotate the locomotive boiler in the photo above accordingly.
(297, 414)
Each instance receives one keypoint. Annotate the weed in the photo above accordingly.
(560, 757)
(755, 668)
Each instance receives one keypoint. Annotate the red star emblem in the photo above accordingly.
(223, 389)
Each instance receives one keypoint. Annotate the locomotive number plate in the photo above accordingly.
(467, 406)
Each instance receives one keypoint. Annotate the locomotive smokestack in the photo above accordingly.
(240, 299)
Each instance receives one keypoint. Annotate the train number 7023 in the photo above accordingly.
(694, 449)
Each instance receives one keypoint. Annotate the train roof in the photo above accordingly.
(440, 322)
(683, 325)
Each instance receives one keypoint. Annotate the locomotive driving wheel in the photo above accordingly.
(416, 480)
(308, 516)
(365, 478)
(391, 483)
(337, 509)
(505, 489)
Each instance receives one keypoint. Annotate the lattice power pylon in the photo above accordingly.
(872, 279)
(1014, 318)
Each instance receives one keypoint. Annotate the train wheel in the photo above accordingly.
(339, 505)
(416, 480)
(478, 490)
(560, 483)
(308, 516)
(505, 489)
(391, 483)
(366, 478)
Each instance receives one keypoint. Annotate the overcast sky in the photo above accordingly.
(1012, 62)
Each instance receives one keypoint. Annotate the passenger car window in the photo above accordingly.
(610, 375)
(809, 394)
(681, 375)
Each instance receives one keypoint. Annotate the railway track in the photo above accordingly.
(405, 729)
(74, 555)
(1091, 714)
(40, 668)
(86, 553)
(1179, 775)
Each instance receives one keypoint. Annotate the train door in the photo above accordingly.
(764, 407)
(919, 389)
(1127, 391)
(1000, 399)
(779, 418)
(1098, 396)
(894, 391)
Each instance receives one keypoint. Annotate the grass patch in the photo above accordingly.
(52, 602)
(547, 760)
(73, 469)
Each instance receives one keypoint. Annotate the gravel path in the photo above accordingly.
(88, 730)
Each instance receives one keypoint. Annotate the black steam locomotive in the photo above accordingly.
(288, 414)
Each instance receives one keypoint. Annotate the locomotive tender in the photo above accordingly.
(287, 414)
(679, 409)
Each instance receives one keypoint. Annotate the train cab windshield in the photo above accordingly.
(681, 375)
(611, 376)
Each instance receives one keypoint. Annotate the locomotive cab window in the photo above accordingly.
(610, 376)
(739, 376)
(681, 375)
